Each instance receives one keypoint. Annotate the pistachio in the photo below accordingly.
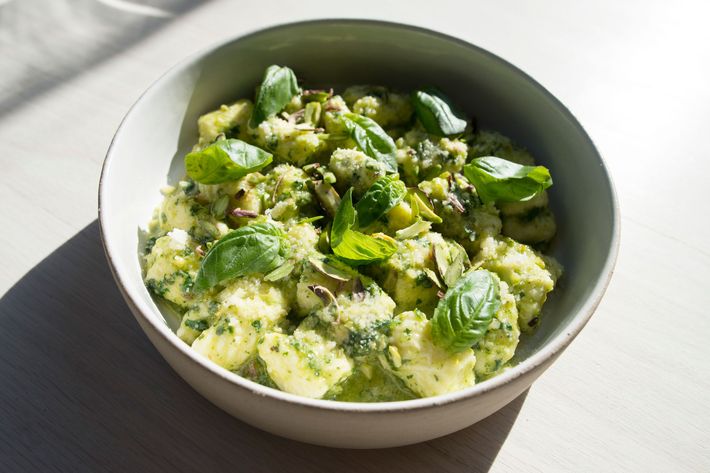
(432, 277)
(451, 261)
(328, 198)
(329, 177)
(308, 127)
(456, 204)
(358, 290)
(295, 117)
(218, 209)
(312, 113)
(276, 188)
(311, 168)
(328, 270)
(394, 356)
(237, 212)
(324, 295)
(324, 240)
(316, 95)
(422, 203)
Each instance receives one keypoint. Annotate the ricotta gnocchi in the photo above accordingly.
(261, 251)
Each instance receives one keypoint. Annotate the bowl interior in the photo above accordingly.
(147, 151)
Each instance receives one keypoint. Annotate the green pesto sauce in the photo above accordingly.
(380, 387)
(255, 370)
(309, 152)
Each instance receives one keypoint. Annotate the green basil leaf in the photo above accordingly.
(353, 247)
(225, 160)
(310, 219)
(356, 248)
(265, 228)
(280, 272)
(277, 89)
(462, 317)
(371, 139)
(344, 219)
(499, 180)
(258, 248)
(434, 112)
(315, 95)
(383, 194)
(312, 113)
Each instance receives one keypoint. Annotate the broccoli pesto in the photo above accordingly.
(360, 245)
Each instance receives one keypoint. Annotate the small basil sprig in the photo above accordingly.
(276, 91)
(358, 248)
(225, 160)
(351, 246)
(434, 112)
(344, 219)
(499, 180)
(383, 194)
(371, 139)
(258, 248)
(462, 317)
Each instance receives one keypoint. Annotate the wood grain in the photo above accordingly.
(83, 390)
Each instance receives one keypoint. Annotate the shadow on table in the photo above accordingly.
(83, 390)
(46, 42)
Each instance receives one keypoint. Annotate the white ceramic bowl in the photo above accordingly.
(160, 128)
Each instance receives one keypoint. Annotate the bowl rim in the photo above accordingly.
(548, 352)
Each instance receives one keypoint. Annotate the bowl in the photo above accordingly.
(160, 128)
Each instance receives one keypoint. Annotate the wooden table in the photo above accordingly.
(82, 388)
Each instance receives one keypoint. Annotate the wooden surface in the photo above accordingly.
(81, 387)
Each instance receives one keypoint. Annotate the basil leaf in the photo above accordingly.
(356, 248)
(276, 91)
(344, 219)
(383, 194)
(353, 247)
(265, 228)
(315, 95)
(258, 248)
(462, 317)
(225, 160)
(499, 180)
(371, 139)
(280, 272)
(434, 112)
(312, 113)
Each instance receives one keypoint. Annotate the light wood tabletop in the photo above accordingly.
(82, 389)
